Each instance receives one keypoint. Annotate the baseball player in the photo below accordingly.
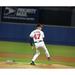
(36, 37)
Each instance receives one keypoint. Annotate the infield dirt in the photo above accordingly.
(28, 66)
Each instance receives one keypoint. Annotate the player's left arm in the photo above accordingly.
(32, 43)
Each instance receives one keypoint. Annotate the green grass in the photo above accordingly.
(25, 48)
(60, 50)
(15, 47)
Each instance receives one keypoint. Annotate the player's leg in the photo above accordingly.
(46, 51)
(35, 57)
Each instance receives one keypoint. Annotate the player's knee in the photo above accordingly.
(38, 52)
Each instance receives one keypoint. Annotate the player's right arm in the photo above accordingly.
(31, 38)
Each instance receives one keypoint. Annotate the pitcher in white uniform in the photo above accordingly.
(37, 36)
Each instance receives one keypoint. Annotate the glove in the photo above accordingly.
(33, 47)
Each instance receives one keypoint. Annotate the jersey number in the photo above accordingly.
(36, 36)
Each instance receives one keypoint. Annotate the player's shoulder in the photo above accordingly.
(33, 30)
(37, 31)
(42, 31)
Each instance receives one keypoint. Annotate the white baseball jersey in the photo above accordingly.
(37, 35)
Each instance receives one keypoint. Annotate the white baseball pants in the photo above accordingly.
(40, 45)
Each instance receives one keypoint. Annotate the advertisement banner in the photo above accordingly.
(20, 14)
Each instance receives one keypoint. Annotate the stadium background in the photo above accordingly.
(16, 23)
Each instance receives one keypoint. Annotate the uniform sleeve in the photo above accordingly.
(31, 38)
(31, 34)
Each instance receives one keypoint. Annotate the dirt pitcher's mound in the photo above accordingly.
(28, 66)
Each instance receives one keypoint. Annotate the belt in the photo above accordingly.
(38, 41)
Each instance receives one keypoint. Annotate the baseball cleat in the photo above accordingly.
(32, 63)
(48, 58)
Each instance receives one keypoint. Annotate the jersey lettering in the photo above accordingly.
(37, 36)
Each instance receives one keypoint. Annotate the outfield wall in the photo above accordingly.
(53, 34)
